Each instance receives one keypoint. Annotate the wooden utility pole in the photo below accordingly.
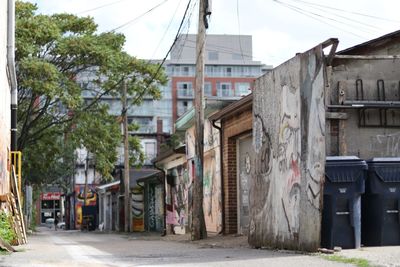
(126, 160)
(198, 222)
(85, 189)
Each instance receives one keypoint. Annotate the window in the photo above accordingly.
(207, 89)
(186, 71)
(224, 89)
(213, 55)
(229, 71)
(185, 89)
(242, 89)
(145, 124)
(183, 106)
(150, 150)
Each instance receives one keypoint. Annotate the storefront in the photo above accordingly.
(50, 206)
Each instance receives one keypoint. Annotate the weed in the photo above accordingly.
(356, 261)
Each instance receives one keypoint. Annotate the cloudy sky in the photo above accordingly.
(280, 28)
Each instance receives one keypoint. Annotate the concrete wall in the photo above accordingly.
(289, 144)
(5, 101)
(347, 137)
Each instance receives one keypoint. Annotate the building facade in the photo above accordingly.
(230, 70)
(5, 101)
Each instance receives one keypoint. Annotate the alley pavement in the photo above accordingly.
(75, 248)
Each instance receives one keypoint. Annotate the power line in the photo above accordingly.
(99, 7)
(166, 30)
(366, 25)
(238, 20)
(315, 17)
(138, 17)
(347, 11)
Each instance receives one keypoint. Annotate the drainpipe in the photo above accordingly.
(12, 72)
(221, 145)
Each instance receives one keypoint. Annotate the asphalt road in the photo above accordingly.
(75, 248)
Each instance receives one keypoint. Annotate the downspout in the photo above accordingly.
(221, 145)
(11, 69)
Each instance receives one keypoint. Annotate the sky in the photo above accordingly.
(279, 28)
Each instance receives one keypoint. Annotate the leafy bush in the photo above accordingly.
(6, 231)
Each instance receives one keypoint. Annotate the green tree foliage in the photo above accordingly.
(61, 58)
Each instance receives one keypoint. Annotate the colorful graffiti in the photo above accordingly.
(137, 209)
(91, 200)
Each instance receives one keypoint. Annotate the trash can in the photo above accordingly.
(341, 214)
(381, 203)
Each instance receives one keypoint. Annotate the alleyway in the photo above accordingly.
(75, 248)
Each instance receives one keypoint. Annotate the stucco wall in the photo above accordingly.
(4, 102)
(289, 144)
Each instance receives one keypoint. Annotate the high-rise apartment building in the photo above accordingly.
(229, 69)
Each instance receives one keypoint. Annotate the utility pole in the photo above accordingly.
(126, 159)
(198, 222)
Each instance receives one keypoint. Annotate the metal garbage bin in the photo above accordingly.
(381, 203)
(341, 215)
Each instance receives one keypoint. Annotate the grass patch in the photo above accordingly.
(356, 261)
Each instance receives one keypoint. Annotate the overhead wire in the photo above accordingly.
(99, 7)
(138, 17)
(348, 11)
(187, 26)
(360, 23)
(238, 21)
(166, 30)
(317, 17)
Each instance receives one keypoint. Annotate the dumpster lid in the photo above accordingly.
(344, 168)
(384, 160)
(343, 158)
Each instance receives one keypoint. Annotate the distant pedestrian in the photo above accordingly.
(55, 223)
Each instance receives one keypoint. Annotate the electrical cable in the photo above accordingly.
(315, 17)
(138, 17)
(99, 7)
(366, 25)
(166, 30)
(347, 11)
(240, 39)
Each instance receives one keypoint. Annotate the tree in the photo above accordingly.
(60, 59)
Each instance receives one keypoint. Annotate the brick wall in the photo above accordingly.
(233, 127)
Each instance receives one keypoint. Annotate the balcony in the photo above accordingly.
(185, 93)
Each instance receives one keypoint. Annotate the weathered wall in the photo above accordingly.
(212, 200)
(4, 102)
(232, 128)
(346, 137)
(289, 144)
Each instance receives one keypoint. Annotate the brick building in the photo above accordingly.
(237, 160)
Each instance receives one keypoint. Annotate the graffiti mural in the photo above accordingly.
(178, 198)
(289, 145)
(137, 206)
(91, 200)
